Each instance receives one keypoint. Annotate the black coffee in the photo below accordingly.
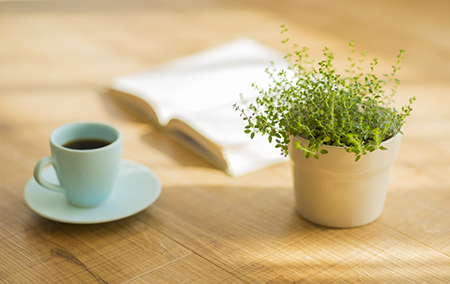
(86, 144)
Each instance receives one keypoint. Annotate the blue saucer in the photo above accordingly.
(137, 188)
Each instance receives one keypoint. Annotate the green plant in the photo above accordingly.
(314, 101)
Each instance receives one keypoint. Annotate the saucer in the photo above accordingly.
(137, 188)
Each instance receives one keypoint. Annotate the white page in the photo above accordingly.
(222, 125)
(204, 80)
(252, 157)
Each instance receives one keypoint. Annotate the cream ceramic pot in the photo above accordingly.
(335, 191)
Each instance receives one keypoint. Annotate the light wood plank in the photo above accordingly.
(259, 242)
(190, 269)
(107, 253)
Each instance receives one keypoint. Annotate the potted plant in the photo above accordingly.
(340, 131)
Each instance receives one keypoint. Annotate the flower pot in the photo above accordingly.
(335, 191)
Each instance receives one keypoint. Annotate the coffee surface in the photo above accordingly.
(86, 144)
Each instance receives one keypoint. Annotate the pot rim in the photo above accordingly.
(342, 147)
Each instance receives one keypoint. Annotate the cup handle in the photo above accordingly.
(38, 174)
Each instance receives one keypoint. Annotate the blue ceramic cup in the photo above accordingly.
(86, 176)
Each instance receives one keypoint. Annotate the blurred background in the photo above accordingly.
(76, 44)
(66, 52)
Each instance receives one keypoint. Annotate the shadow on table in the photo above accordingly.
(155, 137)
(175, 150)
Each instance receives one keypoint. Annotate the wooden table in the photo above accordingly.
(206, 227)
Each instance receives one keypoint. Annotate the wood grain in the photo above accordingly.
(206, 227)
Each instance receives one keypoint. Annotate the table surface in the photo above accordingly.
(57, 56)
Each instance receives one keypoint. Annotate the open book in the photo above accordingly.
(191, 99)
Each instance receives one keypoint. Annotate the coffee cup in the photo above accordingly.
(86, 157)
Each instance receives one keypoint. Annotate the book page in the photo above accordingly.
(252, 157)
(205, 80)
(221, 125)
